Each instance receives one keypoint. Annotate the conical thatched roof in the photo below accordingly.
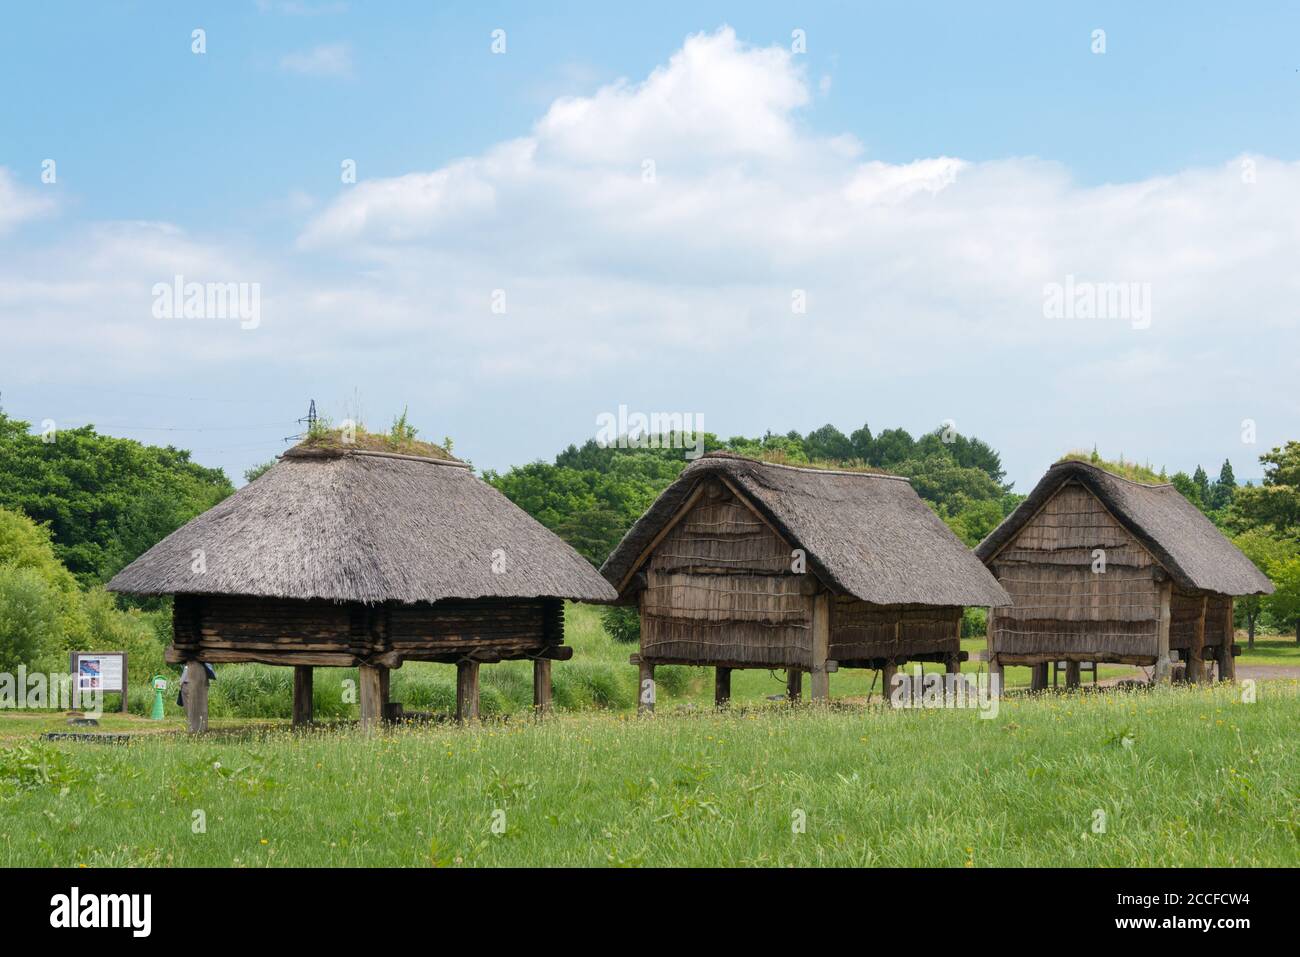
(1175, 532)
(365, 526)
(867, 535)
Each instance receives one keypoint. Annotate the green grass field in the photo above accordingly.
(1184, 776)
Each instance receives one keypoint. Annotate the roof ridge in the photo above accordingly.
(811, 469)
(1108, 473)
(343, 453)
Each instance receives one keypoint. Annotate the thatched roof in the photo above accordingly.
(1176, 533)
(365, 526)
(865, 534)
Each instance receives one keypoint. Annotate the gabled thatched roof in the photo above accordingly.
(365, 526)
(867, 535)
(1175, 532)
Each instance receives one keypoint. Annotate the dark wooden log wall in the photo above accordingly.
(865, 632)
(222, 629)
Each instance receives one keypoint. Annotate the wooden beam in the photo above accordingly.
(821, 641)
(793, 684)
(467, 690)
(302, 691)
(542, 685)
(196, 697)
(1163, 665)
(721, 687)
(645, 685)
(370, 696)
(1196, 654)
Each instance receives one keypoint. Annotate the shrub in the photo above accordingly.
(622, 623)
(31, 623)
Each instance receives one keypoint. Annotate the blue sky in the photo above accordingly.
(923, 286)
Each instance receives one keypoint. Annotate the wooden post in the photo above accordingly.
(370, 696)
(196, 697)
(793, 684)
(302, 690)
(721, 687)
(1071, 674)
(821, 640)
(645, 693)
(1196, 658)
(1163, 666)
(1227, 663)
(996, 676)
(466, 690)
(1038, 681)
(887, 678)
(542, 684)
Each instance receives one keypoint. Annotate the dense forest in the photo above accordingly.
(76, 506)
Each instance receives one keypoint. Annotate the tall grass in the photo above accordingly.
(1179, 777)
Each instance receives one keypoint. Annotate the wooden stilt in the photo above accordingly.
(887, 673)
(721, 687)
(1228, 663)
(1196, 657)
(820, 677)
(1072, 674)
(466, 690)
(996, 677)
(370, 696)
(793, 684)
(1038, 680)
(1163, 664)
(542, 684)
(952, 665)
(196, 697)
(645, 699)
(302, 691)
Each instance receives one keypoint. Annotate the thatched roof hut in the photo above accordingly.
(749, 564)
(1103, 568)
(347, 556)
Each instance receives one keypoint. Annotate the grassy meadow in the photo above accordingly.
(1182, 776)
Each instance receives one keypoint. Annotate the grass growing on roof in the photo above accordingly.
(401, 439)
(1126, 470)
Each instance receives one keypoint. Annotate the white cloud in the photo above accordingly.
(331, 59)
(924, 282)
(18, 204)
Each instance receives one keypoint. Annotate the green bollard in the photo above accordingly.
(159, 686)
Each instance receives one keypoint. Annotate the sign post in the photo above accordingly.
(104, 671)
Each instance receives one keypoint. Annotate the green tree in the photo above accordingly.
(1276, 501)
(1267, 550)
(105, 500)
(31, 618)
(828, 444)
(1225, 489)
(1284, 603)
